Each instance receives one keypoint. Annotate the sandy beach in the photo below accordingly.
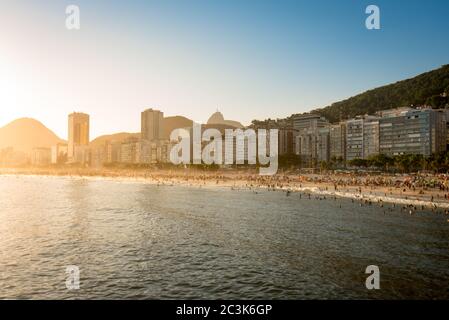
(411, 191)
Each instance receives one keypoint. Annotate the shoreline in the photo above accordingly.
(246, 181)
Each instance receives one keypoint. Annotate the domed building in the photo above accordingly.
(217, 118)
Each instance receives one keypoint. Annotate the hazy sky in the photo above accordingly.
(249, 58)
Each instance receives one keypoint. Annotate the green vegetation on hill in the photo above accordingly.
(430, 88)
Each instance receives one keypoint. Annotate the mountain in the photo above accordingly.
(217, 118)
(24, 134)
(116, 137)
(169, 124)
(175, 122)
(430, 88)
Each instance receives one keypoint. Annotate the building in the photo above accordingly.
(337, 140)
(128, 153)
(446, 113)
(138, 151)
(286, 141)
(106, 153)
(312, 138)
(354, 139)
(78, 133)
(99, 154)
(152, 125)
(415, 131)
(81, 155)
(144, 150)
(59, 153)
(362, 137)
(286, 133)
(323, 145)
(11, 157)
(308, 121)
(313, 146)
(113, 152)
(166, 148)
(41, 156)
(370, 138)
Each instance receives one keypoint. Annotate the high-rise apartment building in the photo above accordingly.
(446, 113)
(78, 133)
(362, 137)
(312, 140)
(308, 121)
(416, 131)
(370, 138)
(152, 125)
(338, 141)
(313, 145)
(354, 139)
(286, 141)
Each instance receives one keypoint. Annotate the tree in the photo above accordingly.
(324, 165)
(289, 160)
(402, 162)
(358, 162)
(381, 161)
(414, 91)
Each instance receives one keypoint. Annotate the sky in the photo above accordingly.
(250, 59)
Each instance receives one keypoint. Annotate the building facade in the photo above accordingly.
(313, 146)
(138, 151)
(59, 153)
(337, 136)
(41, 156)
(286, 141)
(354, 139)
(370, 138)
(152, 125)
(416, 131)
(78, 133)
(308, 121)
(362, 137)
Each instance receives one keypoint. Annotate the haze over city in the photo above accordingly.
(251, 60)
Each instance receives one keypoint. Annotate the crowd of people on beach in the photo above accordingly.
(432, 188)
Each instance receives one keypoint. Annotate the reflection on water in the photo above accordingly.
(134, 240)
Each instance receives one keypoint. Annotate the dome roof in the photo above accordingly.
(217, 117)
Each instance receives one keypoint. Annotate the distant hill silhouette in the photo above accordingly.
(430, 88)
(24, 134)
(175, 122)
(115, 137)
(170, 123)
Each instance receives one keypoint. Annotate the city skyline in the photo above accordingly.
(253, 61)
(224, 155)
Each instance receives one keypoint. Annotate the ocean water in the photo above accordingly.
(133, 240)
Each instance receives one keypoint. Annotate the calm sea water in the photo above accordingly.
(134, 240)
